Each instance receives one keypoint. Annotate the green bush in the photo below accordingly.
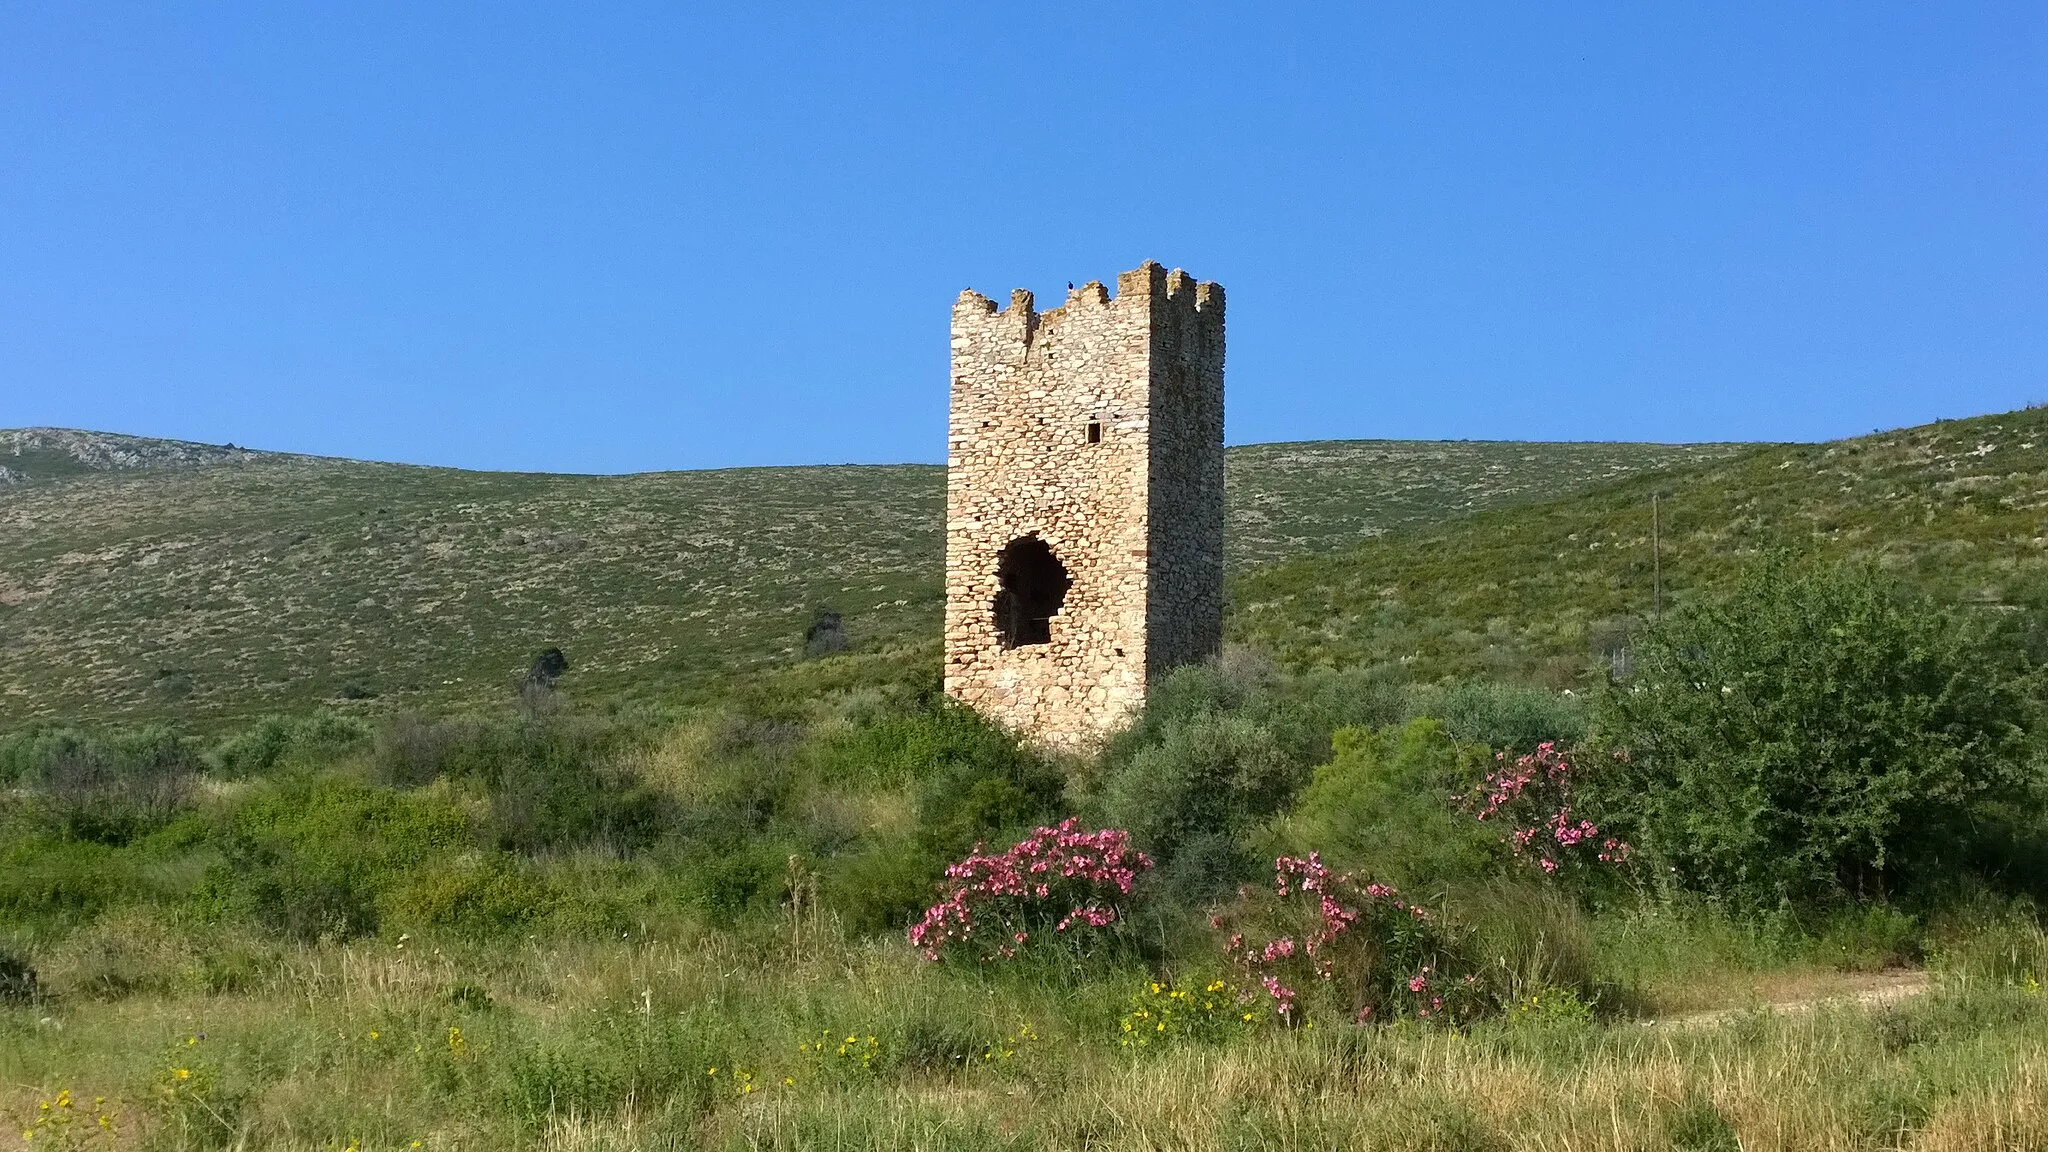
(554, 780)
(1220, 748)
(1188, 798)
(409, 750)
(901, 748)
(884, 887)
(1300, 711)
(68, 881)
(1868, 938)
(1386, 807)
(274, 740)
(108, 787)
(1816, 734)
(314, 856)
(1517, 717)
(483, 895)
(979, 784)
(18, 980)
(551, 795)
(727, 879)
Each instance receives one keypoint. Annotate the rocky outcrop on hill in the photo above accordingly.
(29, 454)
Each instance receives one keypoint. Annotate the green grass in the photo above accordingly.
(457, 932)
(214, 587)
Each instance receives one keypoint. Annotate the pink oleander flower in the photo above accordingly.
(1063, 865)
(1340, 923)
(1531, 796)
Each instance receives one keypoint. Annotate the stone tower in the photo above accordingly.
(1084, 501)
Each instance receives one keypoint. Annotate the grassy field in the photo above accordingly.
(820, 1042)
(148, 579)
(530, 972)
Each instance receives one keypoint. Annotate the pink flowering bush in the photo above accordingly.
(1061, 884)
(1358, 946)
(1530, 799)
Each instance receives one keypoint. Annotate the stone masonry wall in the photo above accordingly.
(1133, 512)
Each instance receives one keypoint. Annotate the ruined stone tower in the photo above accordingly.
(1084, 501)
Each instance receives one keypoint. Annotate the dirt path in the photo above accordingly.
(1866, 991)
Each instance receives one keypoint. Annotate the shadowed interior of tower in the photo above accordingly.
(1031, 586)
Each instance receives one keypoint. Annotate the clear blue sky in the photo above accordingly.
(612, 238)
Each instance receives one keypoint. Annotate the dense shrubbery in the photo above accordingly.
(276, 740)
(1514, 717)
(1219, 750)
(1865, 745)
(1820, 734)
(108, 789)
(317, 856)
(1386, 806)
(1335, 848)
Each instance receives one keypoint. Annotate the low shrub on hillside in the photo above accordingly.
(1190, 798)
(317, 856)
(977, 782)
(1234, 759)
(883, 886)
(553, 779)
(275, 740)
(902, 747)
(1298, 711)
(1515, 717)
(107, 787)
(54, 881)
(1818, 734)
(1223, 748)
(19, 982)
(1386, 806)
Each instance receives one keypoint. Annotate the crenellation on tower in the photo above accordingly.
(1084, 535)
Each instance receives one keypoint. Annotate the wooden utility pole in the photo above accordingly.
(1656, 560)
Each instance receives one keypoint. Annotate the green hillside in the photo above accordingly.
(1548, 590)
(154, 578)
(151, 578)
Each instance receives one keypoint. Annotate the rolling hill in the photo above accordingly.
(147, 579)
(1546, 590)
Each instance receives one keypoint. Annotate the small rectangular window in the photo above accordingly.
(1094, 432)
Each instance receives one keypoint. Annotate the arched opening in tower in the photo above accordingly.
(1031, 585)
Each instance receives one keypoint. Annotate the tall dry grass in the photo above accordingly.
(608, 1044)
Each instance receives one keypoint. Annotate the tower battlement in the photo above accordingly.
(1084, 500)
(1148, 286)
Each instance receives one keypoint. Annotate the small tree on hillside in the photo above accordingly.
(1817, 733)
